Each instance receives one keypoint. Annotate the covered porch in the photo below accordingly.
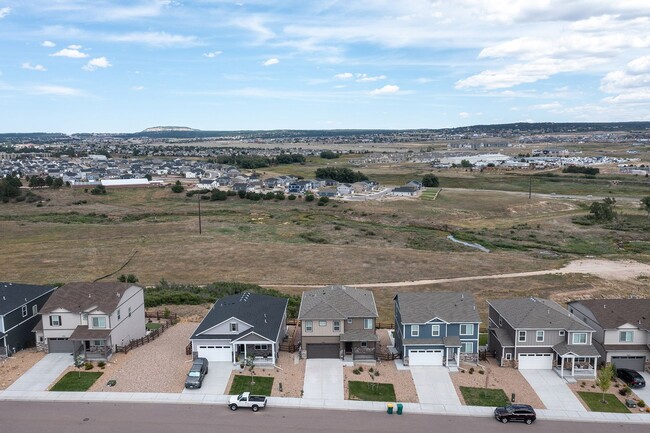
(452, 349)
(360, 344)
(576, 360)
(92, 344)
(263, 351)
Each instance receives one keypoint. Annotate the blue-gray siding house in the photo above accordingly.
(436, 328)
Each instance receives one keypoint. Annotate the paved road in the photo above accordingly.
(43, 373)
(434, 385)
(552, 390)
(30, 417)
(323, 379)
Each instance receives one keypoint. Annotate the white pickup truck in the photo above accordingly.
(245, 399)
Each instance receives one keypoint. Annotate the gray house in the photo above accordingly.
(622, 327)
(19, 306)
(533, 333)
(338, 322)
(436, 328)
(243, 325)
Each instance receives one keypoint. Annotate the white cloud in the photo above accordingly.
(48, 44)
(72, 53)
(640, 65)
(155, 39)
(387, 89)
(270, 62)
(97, 63)
(4, 12)
(56, 90)
(150, 8)
(75, 47)
(344, 76)
(423, 80)
(212, 54)
(31, 67)
(466, 115)
(548, 106)
(256, 25)
(631, 84)
(137, 88)
(364, 78)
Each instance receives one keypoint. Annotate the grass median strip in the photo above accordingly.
(595, 402)
(371, 391)
(262, 385)
(483, 396)
(76, 381)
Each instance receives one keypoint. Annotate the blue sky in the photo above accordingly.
(122, 66)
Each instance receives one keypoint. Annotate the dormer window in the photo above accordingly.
(626, 336)
(579, 338)
(99, 322)
(233, 327)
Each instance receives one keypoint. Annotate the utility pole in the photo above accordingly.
(199, 197)
(530, 186)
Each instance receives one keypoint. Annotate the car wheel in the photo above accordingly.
(529, 421)
(233, 407)
(504, 420)
(255, 408)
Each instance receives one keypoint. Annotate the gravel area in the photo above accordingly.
(14, 367)
(290, 372)
(590, 386)
(506, 378)
(401, 379)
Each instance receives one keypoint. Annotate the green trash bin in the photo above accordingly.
(400, 407)
(389, 408)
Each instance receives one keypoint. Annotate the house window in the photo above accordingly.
(261, 347)
(322, 323)
(466, 347)
(337, 325)
(55, 320)
(234, 327)
(24, 310)
(367, 323)
(99, 322)
(579, 338)
(466, 329)
(435, 330)
(522, 336)
(562, 333)
(626, 336)
(508, 356)
(99, 342)
(364, 344)
(119, 314)
(539, 336)
(415, 330)
(309, 326)
(34, 310)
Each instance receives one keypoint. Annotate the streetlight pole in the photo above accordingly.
(199, 197)
(530, 186)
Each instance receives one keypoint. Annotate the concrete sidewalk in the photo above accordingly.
(302, 403)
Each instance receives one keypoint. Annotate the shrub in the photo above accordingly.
(360, 368)
(177, 188)
(641, 403)
(376, 372)
(356, 371)
(309, 197)
(291, 197)
(471, 370)
(88, 365)
(481, 372)
(101, 364)
(430, 180)
(371, 370)
(323, 200)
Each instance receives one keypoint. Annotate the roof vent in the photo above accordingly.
(89, 295)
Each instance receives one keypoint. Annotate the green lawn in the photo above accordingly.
(77, 381)
(262, 386)
(484, 396)
(153, 326)
(482, 339)
(370, 391)
(594, 401)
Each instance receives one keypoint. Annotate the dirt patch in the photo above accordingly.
(14, 367)
(290, 372)
(495, 377)
(401, 379)
(186, 313)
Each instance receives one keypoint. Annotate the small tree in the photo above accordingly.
(178, 188)
(604, 380)
(430, 180)
(309, 197)
(250, 364)
(79, 363)
(603, 211)
(645, 204)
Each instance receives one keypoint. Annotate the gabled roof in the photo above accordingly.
(421, 307)
(337, 302)
(264, 313)
(537, 313)
(13, 295)
(79, 297)
(612, 313)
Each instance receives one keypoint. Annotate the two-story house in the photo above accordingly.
(436, 328)
(622, 327)
(534, 333)
(90, 319)
(338, 322)
(19, 305)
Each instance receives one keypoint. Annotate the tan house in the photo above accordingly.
(338, 322)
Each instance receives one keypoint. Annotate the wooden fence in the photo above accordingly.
(188, 349)
(144, 340)
(384, 325)
(161, 315)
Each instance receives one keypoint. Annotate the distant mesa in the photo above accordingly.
(169, 128)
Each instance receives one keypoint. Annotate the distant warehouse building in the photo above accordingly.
(122, 183)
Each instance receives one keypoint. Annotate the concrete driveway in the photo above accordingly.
(216, 380)
(552, 390)
(434, 385)
(324, 379)
(43, 373)
(644, 393)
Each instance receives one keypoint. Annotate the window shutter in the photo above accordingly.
(50, 317)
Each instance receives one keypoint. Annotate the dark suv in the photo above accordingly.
(197, 372)
(515, 412)
(631, 377)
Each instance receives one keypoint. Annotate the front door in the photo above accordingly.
(348, 347)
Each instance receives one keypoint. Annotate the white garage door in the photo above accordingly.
(215, 353)
(425, 357)
(535, 361)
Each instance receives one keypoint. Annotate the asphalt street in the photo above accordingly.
(31, 417)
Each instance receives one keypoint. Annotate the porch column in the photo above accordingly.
(595, 363)
(273, 353)
(233, 349)
(562, 366)
(245, 355)
(573, 365)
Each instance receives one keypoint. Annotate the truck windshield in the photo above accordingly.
(194, 374)
(240, 396)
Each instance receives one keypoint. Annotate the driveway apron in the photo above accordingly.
(552, 390)
(43, 373)
(323, 379)
(215, 381)
(644, 393)
(434, 385)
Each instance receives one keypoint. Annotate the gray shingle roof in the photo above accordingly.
(537, 313)
(79, 297)
(359, 335)
(503, 336)
(579, 349)
(337, 302)
(612, 313)
(420, 307)
(264, 313)
(13, 295)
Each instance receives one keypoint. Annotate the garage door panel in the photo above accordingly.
(425, 357)
(328, 351)
(62, 345)
(535, 361)
(215, 353)
(633, 362)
